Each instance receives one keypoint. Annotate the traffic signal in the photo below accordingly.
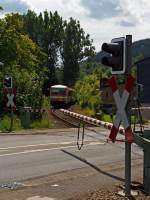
(117, 55)
(8, 82)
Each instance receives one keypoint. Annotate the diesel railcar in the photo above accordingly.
(61, 96)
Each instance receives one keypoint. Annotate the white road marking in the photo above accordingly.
(54, 185)
(51, 149)
(40, 198)
(34, 145)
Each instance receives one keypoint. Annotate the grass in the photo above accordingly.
(42, 123)
(83, 111)
(5, 123)
(107, 118)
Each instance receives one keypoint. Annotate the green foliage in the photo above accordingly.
(46, 103)
(42, 123)
(58, 39)
(31, 46)
(76, 47)
(5, 123)
(23, 60)
(87, 92)
(90, 66)
(88, 112)
(47, 31)
(29, 92)
(106, 118)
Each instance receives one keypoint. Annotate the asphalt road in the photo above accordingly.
(54, 162)
(30, 156)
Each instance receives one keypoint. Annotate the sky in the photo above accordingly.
(102, 19)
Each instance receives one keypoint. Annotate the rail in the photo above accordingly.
(71, 122)
(56, 113)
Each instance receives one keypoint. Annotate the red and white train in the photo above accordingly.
(61, 96)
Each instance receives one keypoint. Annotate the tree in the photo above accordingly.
(76, 47)
(30, 21)
(53, 36)
(61, 41)
(23, 60)
(8, 40)
(88, 93)
(47, 31)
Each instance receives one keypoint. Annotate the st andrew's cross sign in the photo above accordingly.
(121, 115)
(10, 99)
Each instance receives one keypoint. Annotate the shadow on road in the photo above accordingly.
(93, 166)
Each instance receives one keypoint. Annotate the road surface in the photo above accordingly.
(54, 157)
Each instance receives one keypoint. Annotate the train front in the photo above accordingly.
(58, 96)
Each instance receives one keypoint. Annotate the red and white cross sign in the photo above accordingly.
(121, 102)
(10, 95)
(10, 102)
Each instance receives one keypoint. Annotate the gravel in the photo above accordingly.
(109, 195)
(101, 195)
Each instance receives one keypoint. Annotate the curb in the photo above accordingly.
(33, 132)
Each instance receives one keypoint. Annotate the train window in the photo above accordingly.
(56, 91)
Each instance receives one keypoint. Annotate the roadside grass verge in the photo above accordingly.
(109, 118)
(5, 123)
(44, 122)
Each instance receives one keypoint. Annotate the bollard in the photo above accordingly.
(25, 117)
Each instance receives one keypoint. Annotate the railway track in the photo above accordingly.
(70, 120)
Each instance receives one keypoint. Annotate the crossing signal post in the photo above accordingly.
(9, 95)
(8, 82)
(117, 55)
(119, 59)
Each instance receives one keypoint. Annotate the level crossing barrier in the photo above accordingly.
(91, 120)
